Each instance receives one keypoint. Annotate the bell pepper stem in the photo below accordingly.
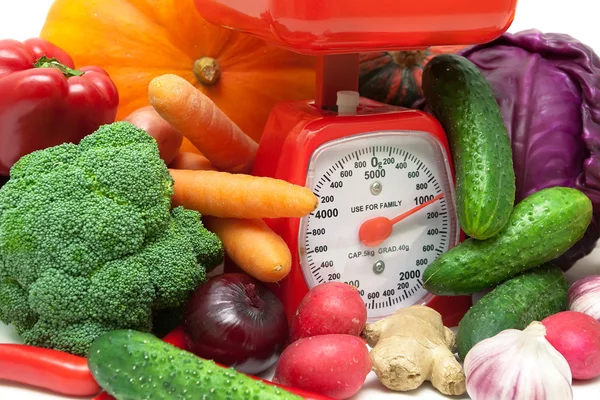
(45, 62)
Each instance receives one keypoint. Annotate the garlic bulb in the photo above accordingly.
(517, 365)
(584, 296)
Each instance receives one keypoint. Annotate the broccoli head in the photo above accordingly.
(89, 242)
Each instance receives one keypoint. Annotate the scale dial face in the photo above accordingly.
(378, 174)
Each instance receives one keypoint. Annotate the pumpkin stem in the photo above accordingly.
(409, 58)
(45, 62)
(207, 70)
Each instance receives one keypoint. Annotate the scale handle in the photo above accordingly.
(335, 72)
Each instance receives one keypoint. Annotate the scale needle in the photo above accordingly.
(376, 230)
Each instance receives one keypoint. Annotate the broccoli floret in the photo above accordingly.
(14, 305)
(89, 243)
(73, 338)
(122, 291)
(59, 297)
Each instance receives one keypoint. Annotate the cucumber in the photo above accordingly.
(541, 227)
(531, 296)
(132, 365)
(461, 99)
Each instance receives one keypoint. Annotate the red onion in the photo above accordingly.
(236, 321)
(584, 296)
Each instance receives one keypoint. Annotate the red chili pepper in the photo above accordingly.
(54, 370)
(68, 374)
(177, 338)
(44, 101)
(104, 396)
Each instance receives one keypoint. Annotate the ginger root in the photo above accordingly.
(412, 346)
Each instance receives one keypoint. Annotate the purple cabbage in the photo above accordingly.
(548, 89)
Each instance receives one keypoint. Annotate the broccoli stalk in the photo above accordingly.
(89, 242)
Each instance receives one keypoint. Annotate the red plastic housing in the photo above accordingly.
(293, 132)
(350, 26)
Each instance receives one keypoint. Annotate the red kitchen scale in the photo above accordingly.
(383, 174)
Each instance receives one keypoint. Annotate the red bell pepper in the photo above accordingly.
(44, 101)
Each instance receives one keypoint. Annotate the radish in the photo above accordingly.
(577, 337)
(333, 365)
(329, 308)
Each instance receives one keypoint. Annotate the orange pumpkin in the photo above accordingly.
(137, 40)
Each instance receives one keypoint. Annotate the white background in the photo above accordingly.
(579, 18)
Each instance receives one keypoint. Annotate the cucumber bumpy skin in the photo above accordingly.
(462, 100)
(514, 304)
(132, 365)
(541, 227)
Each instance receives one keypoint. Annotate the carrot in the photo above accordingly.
(195, 115)
(253, 247)
(187, 160)
(188, 147)
(226, 195)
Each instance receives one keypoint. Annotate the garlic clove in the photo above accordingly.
(517, 365)
(584, 296)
